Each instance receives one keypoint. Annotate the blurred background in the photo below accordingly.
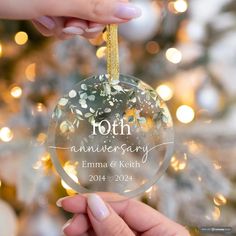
(186, 49)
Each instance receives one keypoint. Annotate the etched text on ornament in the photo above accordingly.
(116, 128)
(112, 164)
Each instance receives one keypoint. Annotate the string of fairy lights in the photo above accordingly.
(21, 39)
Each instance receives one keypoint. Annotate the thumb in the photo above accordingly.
(104, 219)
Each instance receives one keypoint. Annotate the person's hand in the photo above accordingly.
(93, 216)
(66, 18)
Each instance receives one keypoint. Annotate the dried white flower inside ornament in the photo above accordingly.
(113, 131)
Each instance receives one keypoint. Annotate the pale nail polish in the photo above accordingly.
(72, 30)
(66, 225)
(59, 201)
(127, 11)
(47, 22)
(98, 207)
(95, 29)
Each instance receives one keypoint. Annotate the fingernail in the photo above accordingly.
(95, 29)
(59, 201)
(73, 30)
(98, 207)
(46, 22)
(127, 11)
(66, 225)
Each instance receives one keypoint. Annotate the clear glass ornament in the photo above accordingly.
(111, 136)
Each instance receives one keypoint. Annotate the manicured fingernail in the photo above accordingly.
(127, 11)
(73, 30)
(59, 201)
(98, 207)
(66, 225)
(46, 22)
(95, 29)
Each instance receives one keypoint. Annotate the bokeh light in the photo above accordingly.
(180, 6)
(44, 163)
(16, 92)
(30, 72)
(216, 213)
(219, 199)
(6, 135)
(41, 138)
(152, 47)
(40, 107)
(38, 165)
(101, 52)
(185, 114)
(217, 166)
(178, 165)
(21, 38)
(173, 55)
(45, 157)
(165, 92)
(199, 178)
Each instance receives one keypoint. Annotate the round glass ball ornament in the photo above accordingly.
(111, 136)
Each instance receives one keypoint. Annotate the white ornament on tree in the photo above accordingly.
(206, 12)
(144, 27)
(196, 31)
(208, 97)
(41, 221)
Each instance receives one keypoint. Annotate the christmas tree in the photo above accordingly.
(187, 53)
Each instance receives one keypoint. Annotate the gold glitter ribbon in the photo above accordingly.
(113, 68)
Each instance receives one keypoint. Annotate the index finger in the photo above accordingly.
(100, 11)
